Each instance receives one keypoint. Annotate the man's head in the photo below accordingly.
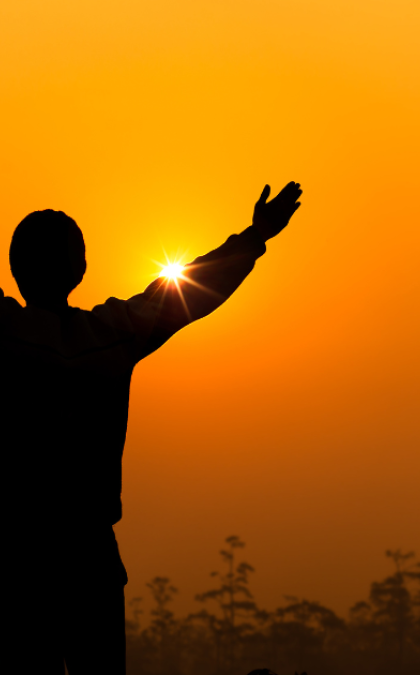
(47, 256)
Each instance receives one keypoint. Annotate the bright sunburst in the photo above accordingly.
(172, 271)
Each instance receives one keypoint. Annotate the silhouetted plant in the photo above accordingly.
(382, 634)
(302, 628)
(132, 626)
(235, 601)
(388, 624)
(392, 604)
(163, 623)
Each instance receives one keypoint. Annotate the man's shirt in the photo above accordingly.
(65, 381)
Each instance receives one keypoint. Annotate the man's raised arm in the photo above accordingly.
(167, 305)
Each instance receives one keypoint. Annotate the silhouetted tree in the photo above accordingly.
(163, 622)
(363, 633)
(381, 636)
(132, 626)
(392, 604)
(303, 627)
(413, 575)
(235, 600)
(387, 623)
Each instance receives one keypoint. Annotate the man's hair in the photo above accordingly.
(47, 255)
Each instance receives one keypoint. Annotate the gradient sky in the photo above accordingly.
(290, 416)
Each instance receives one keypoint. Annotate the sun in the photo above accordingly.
(172, 271)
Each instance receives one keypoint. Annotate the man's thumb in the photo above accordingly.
(264, 195)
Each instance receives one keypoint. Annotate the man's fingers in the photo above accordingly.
(264, 195)
(293, 207)
(290, 191)
(291, 187)
(285, 199)
(292, 194)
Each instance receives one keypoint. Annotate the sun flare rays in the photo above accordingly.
(172, 271)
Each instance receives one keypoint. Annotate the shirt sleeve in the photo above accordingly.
(166, 306)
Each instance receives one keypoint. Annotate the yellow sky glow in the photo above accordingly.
(290, 415)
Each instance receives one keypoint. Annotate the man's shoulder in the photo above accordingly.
(113, 313)
(103, 326)
(8, 305)
(71, 334)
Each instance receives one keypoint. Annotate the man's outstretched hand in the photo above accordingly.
(270, 218)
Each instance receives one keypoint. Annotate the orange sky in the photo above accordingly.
(289, 417)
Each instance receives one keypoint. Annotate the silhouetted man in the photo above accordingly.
(65, 379)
